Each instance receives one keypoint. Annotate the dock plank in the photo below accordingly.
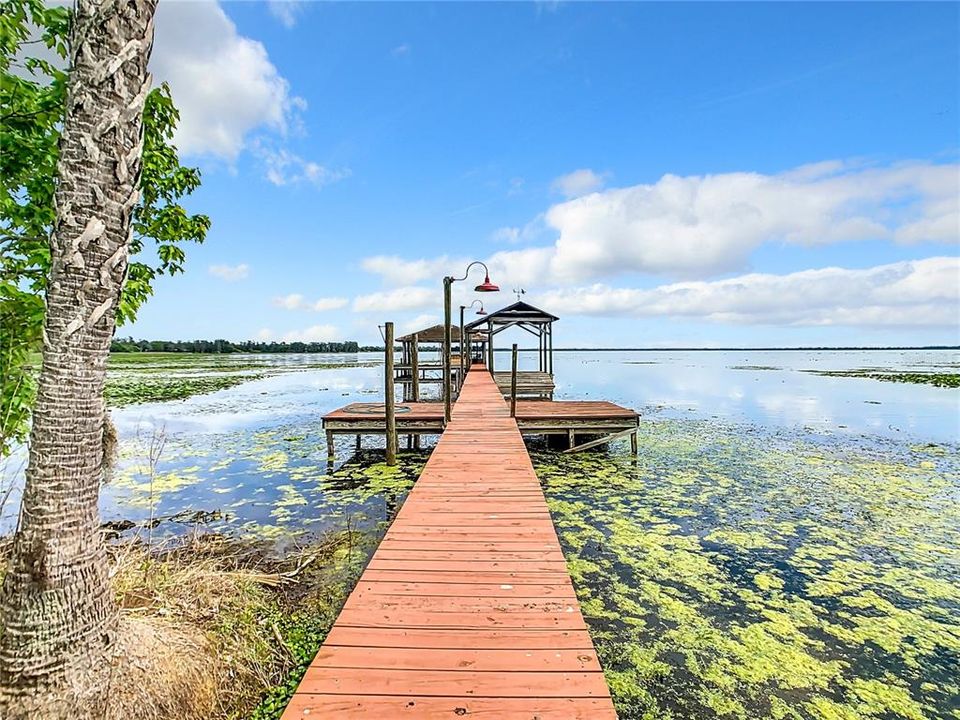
(466, 607)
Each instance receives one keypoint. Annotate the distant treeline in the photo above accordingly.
(747, 349)
(122, 345)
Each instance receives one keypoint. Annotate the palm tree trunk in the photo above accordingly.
(57, 613)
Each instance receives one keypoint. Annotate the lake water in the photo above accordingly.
(786, 545)
(242, 450)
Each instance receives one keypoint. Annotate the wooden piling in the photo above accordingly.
(463, 366)
(415, 368)
(388, 396)
(447, 404)
(513, 384)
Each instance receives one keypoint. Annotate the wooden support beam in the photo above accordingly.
(489, 348)
(415, 369)
(388, 396)
(513, 384)
(447, 403)
(601, 441)
(550, 341)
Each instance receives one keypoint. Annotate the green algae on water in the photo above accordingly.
(134, 378)
(740, 573)
(937, 379)
(269, 484)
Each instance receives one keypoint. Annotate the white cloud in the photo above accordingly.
(289, 302)
(330, 303)
(286, 11)
(699, 226)
(264, 334)
(529, 267)
(506, 234)
(399, 299)
(911, 293)
(420, 322)
(513, 235)
(397, 271)
(298, 302)
(230, 273)
(577, 183)
(283, 167)
(314, 333)
(222, 82)
(401, 50)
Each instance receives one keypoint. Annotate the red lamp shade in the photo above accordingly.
(487, 286)
(481, 311)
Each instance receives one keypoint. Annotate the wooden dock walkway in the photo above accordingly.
(466, 608)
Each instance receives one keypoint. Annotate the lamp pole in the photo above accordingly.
(448, 281)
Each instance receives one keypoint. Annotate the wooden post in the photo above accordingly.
(489, 348)
(388, 396)
(550, 340)
(447, 283)
(463, 367)
(415, 372)
(540, 351)
(415, 369)
(331, 454)
(404, 361)
(513, 384)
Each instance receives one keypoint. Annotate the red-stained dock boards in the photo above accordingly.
(466, 608)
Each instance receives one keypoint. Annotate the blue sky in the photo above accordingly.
(655, 174)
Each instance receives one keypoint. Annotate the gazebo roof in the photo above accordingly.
(518, 312)
(431, 335)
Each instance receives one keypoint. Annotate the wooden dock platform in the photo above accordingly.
(466, 609)
(534, 417)
(530, 385)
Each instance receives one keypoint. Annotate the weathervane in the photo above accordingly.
(518, 292)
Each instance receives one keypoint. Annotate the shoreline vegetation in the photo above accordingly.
(130, 345)
(215, 626)
(226, 347)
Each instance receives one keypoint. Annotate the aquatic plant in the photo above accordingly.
(134, 378)
(937, 379)
(742, 573)
(127, 391)
(270, 484)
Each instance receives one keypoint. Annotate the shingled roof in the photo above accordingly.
(432, 334)
(518, 312)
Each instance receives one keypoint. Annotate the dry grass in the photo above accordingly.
(209, 625)
(163, 669)
(219, 601)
